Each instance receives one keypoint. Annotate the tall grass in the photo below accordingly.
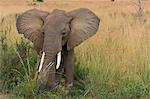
(118, 58)
(114, 64)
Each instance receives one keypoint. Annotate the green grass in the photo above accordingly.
(114, 64)
(19, 73)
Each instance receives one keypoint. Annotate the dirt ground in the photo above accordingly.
(15, 6)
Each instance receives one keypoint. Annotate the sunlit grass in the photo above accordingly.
(117, 57)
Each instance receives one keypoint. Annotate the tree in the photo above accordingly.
(38, 0)
(140, 8)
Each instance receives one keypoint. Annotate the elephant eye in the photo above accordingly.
(63, 33)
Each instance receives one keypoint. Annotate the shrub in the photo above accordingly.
(17, 63)
(40, 0)
(18, 72)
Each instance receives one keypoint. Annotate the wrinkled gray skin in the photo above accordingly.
(54, 32)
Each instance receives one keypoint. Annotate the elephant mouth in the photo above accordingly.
(43, 57)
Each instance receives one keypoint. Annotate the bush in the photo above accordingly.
(40, 0)
(18, 72)
(17, 64)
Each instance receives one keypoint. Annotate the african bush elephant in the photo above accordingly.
(54, 36)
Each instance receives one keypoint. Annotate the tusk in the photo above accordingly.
(42, 61)
(58, 60)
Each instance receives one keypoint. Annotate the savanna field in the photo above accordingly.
(113, 64)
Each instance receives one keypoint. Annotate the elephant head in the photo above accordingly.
(49, 32)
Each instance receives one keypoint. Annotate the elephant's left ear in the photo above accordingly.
(83, 25)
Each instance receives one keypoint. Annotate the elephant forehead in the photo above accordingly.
(56, 18)
(56, 22)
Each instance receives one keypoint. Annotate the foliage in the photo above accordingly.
(18, 72)
(16, 64)
(40, 0)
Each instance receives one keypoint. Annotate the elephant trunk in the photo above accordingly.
(52, 46)
(51, 54)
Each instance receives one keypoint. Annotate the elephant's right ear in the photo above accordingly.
(30, 24)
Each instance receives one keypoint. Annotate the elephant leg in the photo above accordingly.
(69, 63)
